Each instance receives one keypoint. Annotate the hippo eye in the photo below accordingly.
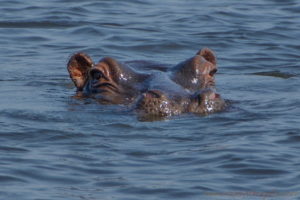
(96, 74)
(212, 72)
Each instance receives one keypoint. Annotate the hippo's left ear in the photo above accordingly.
(208, 54)
(78, 67)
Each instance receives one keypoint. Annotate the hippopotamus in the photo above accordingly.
(159, 91)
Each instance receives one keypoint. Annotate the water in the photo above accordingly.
(54, 146)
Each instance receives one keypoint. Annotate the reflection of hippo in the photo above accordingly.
(187, 87)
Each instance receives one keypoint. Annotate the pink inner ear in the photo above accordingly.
(78, 78)
(78, 67)
(76, 73)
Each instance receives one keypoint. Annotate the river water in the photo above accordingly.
(54, 146)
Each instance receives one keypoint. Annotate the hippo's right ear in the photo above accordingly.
(78, 67)
(208, 54)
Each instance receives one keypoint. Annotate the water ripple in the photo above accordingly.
(38, 24)
(12, 149)
(8, 179)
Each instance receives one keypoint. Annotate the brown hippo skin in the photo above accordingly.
(188, 87)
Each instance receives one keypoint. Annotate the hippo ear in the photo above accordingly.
(78, 67)
(208, 54)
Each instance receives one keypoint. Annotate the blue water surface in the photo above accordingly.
(56, 147)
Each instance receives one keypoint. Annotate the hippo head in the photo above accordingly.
(189, 87)
(108, 80)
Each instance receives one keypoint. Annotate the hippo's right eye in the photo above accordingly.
(96, 74)
(212, 72)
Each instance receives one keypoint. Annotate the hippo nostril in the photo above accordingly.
(199, 99)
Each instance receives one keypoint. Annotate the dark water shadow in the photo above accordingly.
(276, 74)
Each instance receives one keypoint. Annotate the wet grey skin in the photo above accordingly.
(150, 88)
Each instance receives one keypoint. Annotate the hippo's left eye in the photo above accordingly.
(96, 74)
(212, 72)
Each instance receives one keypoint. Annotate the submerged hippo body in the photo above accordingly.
(188, 87)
